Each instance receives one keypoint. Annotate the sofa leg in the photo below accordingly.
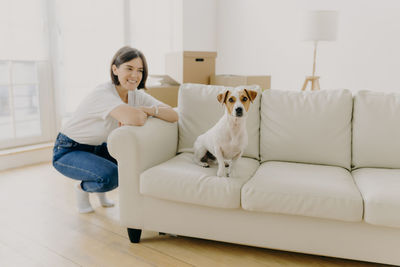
(134, 235)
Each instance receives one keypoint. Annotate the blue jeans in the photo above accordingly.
(92, 165)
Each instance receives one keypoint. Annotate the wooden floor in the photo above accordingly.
(39, 226)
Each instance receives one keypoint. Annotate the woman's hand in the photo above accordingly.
(164, 112)
(142, 120)
(142, 117)
(127, 115)
(150, 111)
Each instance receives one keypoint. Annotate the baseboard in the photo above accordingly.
(28, 155)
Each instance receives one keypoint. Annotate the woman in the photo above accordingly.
(80, 150)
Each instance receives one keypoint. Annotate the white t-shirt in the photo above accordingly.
(91, 123)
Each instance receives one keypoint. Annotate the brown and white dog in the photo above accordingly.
(227, 139)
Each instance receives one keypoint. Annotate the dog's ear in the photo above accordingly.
(251, 94)
(222, 97)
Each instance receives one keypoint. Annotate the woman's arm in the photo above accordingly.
(164, 112)
(127, 115)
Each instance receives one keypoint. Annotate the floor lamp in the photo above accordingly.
(321, 25)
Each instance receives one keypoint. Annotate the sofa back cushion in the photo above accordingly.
(199, 110)
(308, 127)
(376, 130)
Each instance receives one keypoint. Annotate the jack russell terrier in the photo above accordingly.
(226, 141)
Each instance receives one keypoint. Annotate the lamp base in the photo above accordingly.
(314, 80)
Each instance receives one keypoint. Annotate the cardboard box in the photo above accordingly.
(236, 80)
(164, 88)
(165, 93)
(190, 66)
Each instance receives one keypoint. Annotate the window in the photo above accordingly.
(26, 103)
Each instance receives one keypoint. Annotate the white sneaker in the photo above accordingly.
(82, 198)
(104, 201)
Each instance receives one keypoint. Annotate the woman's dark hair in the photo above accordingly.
(126, 54)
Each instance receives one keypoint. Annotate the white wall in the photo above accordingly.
(256, 37)
(199, 21)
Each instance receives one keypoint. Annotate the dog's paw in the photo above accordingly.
(221, 173)
(204, 164)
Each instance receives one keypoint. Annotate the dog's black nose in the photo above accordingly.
(239, 112)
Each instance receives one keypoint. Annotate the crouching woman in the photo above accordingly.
(80, 151)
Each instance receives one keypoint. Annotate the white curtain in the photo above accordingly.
(86, 34)
(23, 34)
(23, 89)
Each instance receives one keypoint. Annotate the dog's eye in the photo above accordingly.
(244, 99)
(231, 100)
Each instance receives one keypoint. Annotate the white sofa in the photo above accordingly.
(321, 174)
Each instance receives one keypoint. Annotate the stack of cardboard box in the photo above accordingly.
(183, 67)
(196, 67)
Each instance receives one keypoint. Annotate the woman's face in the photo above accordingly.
(129, 73)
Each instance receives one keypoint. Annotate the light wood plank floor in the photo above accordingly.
(39, 226)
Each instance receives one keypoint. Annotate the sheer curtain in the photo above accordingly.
(85, 36)
(25, 100)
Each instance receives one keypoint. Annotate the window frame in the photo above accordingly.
(45, 105)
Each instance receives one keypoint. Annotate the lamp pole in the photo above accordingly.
(315, 58)
(314, 80)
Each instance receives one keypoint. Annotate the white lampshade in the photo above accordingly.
(321, 25)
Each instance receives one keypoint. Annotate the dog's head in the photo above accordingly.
(237, 102)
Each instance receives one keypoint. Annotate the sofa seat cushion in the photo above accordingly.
(380, 189)
(303, 189)
(180, 179)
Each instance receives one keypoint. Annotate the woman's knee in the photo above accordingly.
(114, 179)
(111, 179)
(59, 167)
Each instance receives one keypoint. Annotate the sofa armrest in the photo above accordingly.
(144, 146)
(137, 148)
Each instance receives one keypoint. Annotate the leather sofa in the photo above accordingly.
(320, 175)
